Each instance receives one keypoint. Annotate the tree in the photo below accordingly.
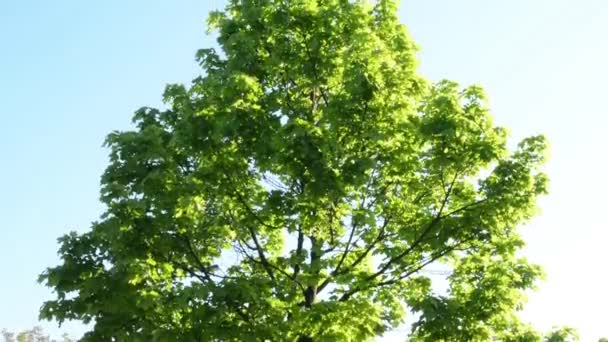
(562, 334)
(8, 336)
(298, 191)
(36, 334)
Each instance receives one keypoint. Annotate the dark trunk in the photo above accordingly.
(310, 293)
(309, 296)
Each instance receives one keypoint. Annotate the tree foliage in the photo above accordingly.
(563, 334)
(36, 334)
(299, 190)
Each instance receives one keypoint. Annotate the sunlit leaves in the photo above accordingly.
(298, 190)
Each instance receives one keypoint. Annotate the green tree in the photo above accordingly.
(298, 190)
(562, 334)
(36, 334)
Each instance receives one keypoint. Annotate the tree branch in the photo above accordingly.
(299, 248)
(315, 256)
(194, 255)
(424, 263)
(274, 267)
(267, 266)
(337, 271)
(251, 211)
(422, 236)
(332, 234)
(465, 207)
(258, 248)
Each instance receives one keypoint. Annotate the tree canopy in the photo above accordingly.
(563, 334)
(300, 188)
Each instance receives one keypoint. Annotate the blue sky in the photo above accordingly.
(72, 71)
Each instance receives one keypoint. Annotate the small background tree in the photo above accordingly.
(36, 334)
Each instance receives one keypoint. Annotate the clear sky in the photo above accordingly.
(72, 71)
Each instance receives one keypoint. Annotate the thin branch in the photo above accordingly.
(204, 278)
(300, 246)
(244, 202)
(419, 267)
(267, 266)
(332, 234)
(194, 255)
(422, 236)
(465, 207)
(425, 263)
(257, 248)
(315, 255)
(251, 211)
(337, 271)
(193, 273)
(381, 236)
(278, 269)
(346, 249)
(352, 233)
